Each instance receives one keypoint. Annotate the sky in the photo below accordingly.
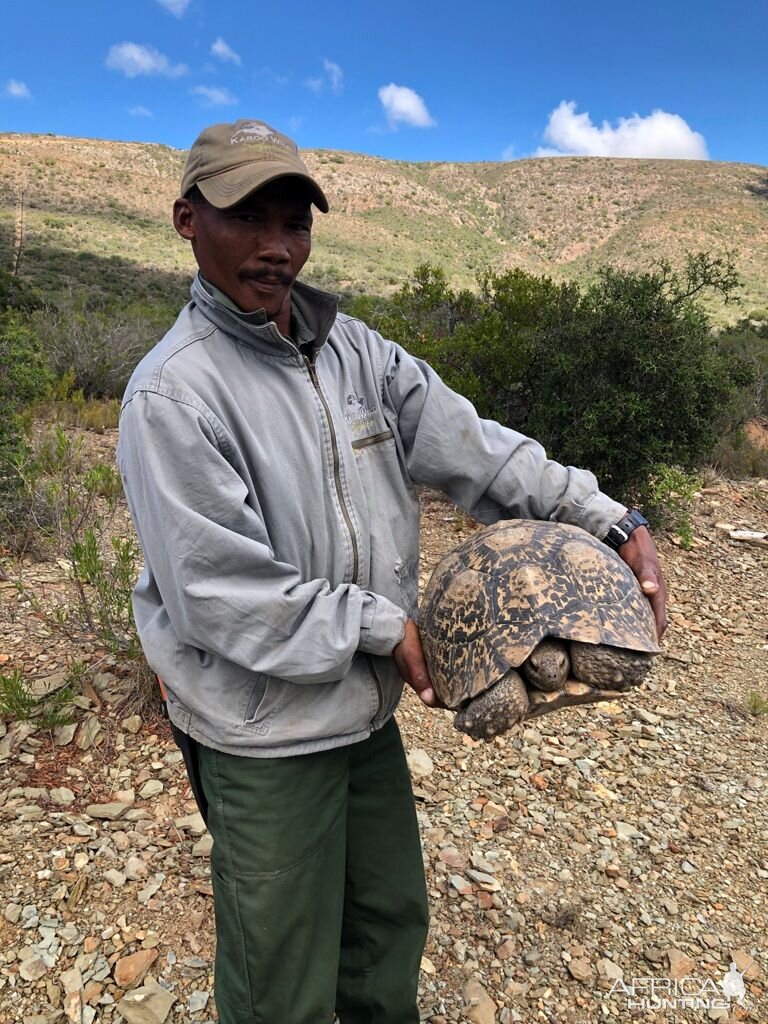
(416, 80)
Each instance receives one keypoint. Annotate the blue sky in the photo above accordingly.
(414, 81)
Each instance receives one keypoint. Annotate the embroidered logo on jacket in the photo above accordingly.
(358, 414)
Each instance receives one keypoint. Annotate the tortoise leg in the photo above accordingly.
(548, 665)
(609, 668)
(496, 710)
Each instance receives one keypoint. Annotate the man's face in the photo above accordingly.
(254, 251)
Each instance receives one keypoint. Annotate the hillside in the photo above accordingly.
(95, 215)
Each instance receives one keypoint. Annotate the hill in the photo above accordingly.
(94, 214)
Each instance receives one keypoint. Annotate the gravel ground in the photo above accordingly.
(575, 866)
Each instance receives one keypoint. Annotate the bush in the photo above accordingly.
(24, 378)
(621, 377)
(634, 378)
(95, 347)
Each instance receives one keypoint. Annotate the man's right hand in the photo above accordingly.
(409, 658)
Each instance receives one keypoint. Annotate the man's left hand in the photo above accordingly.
(639, 552)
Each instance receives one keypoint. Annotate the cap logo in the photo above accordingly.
(255, 132)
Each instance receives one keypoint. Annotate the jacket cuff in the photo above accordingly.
(382, 626)
(600, 514)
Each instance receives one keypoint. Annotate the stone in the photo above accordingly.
(115, 878)
(135, 869)
(132, 724)
(62, 795)
(191, 823)
(12, 913)
(580, 969)
(197, 1001)
(608, 969)
(746, 964)
(152, 787)
(203, 847)
(680, 965)
(420, 763)
(461, 885)
(33, 969)
(108, 812)
(148, 1005)
(479, 1007)
(131, 970)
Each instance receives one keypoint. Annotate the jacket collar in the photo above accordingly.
(314, 311)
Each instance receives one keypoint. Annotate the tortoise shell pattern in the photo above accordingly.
(494, 597)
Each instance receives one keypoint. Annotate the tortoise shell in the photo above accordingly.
(494, 597)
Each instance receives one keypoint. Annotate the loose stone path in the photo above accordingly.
(573, 865)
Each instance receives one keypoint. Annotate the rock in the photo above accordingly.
(608, 969)
(33, 969)
(148, 1005)
(130, 970)
(580, 969)
(62, 796)
(680, 965)
(132, 724)
(108, 812)
(191, 823)
(479, 1007)
(746, 964)
(626, 831)
(152, 787)
(64, 734)
(115, 878)
(461, 885)
(420, 763)
(135, 869)
(89, 734)
(12, 913)
(203, 846)
(197, 1001)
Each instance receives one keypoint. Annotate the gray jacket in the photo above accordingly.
(273, 492)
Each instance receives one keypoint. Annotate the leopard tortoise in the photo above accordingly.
(526, 617)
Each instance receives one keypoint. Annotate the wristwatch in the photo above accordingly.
(620, 532)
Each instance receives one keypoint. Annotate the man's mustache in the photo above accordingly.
(274, 276)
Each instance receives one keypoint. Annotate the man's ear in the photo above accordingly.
(184, 218)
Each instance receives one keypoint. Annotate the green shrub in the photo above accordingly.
(94, 346)
(620, 377)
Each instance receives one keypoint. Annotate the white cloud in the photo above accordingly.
(335, 75)
(224, 51)
(17, 90)
(134, 59)
(177, 7)
(404, 106)
(140, 111)
(508, 153)
(215, 97)
(333, 78)
(660, 135)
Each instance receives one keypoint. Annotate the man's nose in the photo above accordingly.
(273, 245)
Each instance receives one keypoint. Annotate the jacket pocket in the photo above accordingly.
(266, 699)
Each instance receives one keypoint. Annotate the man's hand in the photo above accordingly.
(639, 552)
(409, 658)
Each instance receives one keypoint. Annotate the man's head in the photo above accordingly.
(246, 207)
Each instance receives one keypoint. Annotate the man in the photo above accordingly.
(270, 448)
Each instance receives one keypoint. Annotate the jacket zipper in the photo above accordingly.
(336, 470)
(366, 442)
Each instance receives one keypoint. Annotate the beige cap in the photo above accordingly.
(229, 161)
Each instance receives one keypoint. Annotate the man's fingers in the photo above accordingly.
(650, 586)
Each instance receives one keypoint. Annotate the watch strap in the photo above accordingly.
(620, 532)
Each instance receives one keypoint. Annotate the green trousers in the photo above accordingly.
(318, 884)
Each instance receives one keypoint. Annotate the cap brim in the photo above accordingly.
(231, 187)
